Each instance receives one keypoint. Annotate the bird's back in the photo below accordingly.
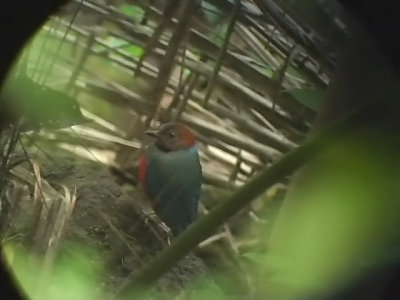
(173, 182)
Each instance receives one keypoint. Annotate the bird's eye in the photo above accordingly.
(171, 134)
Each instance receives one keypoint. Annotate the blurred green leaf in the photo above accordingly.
(133, 11)
(312, 98)
(255, 257)
(134, 50)
(75, 274)
(210, 290)
(116, 42)
(211, 12)
(296, 73)
(266, 70)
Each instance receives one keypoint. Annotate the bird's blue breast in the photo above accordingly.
(173, 181)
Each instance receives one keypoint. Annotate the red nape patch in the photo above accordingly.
(188, 136)
(143, 171)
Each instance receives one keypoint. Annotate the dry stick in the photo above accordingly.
(206, 225)
(85, 55)
(226, 80)
(146, 12)
(225, 148)
(179, 90)
(181, 107)
(181, 72)
(254, 43)
(10, 205)
(305, 63)
(231, 138)
(201, 42)
(222, 52)
(29, 14)
(57, 221)
(256, 46)
(261, 120)
(296, 32)
(166, 18)
(246, 92)
(271, 34)
(40, 58)
(4, 213)
(198, 41)
(41, 211)
(217, 158)
(118, 233)
(280, 74)
(237, 166)
(46, 76)
(182, 82)
(239, 140)
(250, 145)
(267, 36)
(188, 8)
(6, 150)
(268, 137)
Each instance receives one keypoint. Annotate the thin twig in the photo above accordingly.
(222, 52)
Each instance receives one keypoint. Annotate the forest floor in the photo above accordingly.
(106, 218)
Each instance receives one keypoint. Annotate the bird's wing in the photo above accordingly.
(166, 175)
(173, 181)
(196, 190)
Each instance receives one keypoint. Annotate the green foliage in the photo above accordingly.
(41, 106)
(133, 11)
(134, 50)
(311, 98)
(206, 289)
(186, 72)
(296, 73)
(75, 274)
(342, 220)
(211, 12)
(116, 42)
(266, 70)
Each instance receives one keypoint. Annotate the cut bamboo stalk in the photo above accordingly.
(181, 107)
(153, 41)
(188, 8)
(240, 141)
(255, 77)
(257, 46)
(222, 52)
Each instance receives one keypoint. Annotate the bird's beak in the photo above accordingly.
(152, 133)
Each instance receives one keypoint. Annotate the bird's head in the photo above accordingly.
(172, 137)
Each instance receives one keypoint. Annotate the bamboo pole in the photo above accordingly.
(253, 76)
(153, 41)
(223, 134)
(225, 112)
(222, 52)
(142, 105)
(181, 107)
(188, 7)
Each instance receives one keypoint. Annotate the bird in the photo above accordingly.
(170, 173)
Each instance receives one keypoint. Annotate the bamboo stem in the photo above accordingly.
(222, 52)
(188, 8)
(181, 107)
(166, 18)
